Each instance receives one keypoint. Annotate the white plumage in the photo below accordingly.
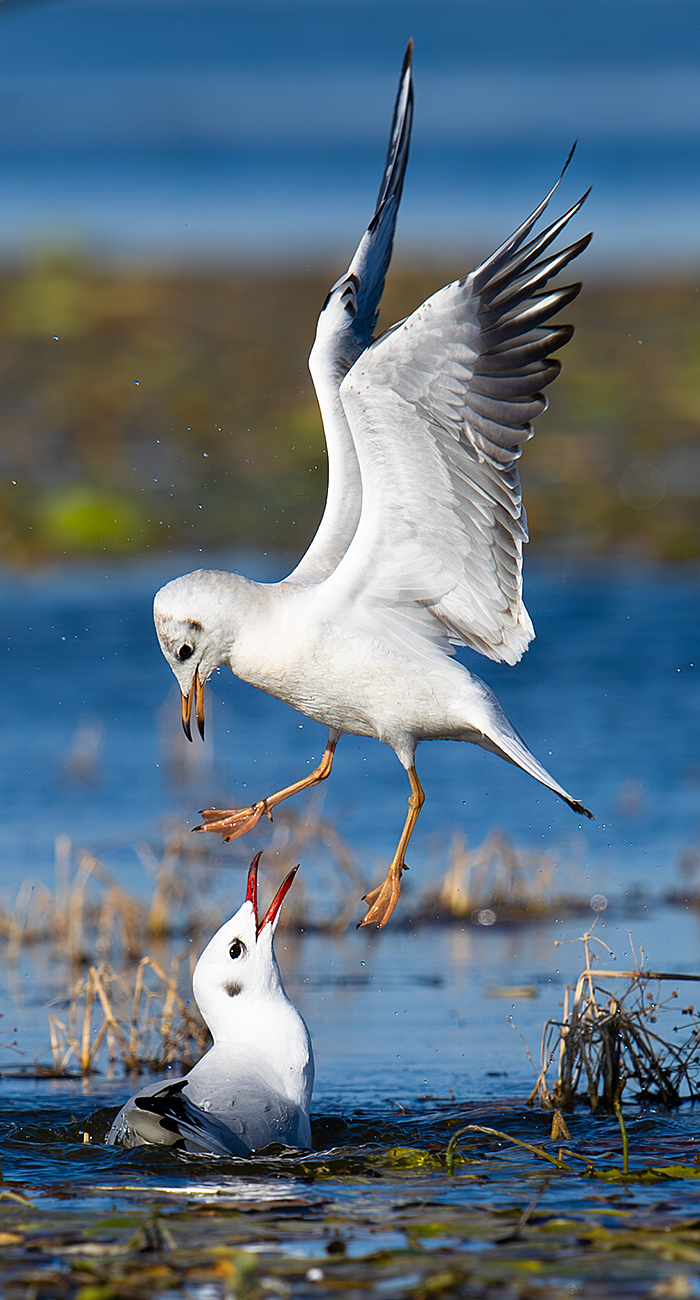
(420, 545)
(254, 1085)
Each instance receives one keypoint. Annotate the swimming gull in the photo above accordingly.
(253, 1087)
(420, 546)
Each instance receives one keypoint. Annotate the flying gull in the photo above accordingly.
(420, 546)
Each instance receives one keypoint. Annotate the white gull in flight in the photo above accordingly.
(420, 546)
(253, 1087)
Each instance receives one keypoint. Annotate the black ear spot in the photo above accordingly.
(237, 949)
(185, 652)
(232, 988)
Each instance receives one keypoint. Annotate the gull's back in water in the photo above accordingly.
(253, 1087)
(420, 545)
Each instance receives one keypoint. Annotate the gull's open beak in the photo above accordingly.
(197, 694)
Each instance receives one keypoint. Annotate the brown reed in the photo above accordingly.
(605, 1040)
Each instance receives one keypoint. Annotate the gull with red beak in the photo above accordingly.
(420, 546)
(253, 1087)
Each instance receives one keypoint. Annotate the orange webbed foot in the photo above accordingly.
(382, 900)
(231, 823)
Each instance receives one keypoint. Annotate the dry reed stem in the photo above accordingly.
(495, 875)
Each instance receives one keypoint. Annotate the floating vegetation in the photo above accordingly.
(376, 1213)
(606, 1040)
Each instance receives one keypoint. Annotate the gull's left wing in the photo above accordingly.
(439, 407)
(345, 329)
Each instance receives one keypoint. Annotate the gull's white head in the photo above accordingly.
(237, 975)
(195, 618)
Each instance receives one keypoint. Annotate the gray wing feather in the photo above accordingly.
(165, 1115)
(439, 408)
(345, 328)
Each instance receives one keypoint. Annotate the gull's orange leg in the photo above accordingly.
(384, 898)
(234, 822)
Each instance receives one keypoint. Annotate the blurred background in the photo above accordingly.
(181, 179)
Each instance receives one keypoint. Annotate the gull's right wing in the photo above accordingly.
(439, 408)
(345, 329)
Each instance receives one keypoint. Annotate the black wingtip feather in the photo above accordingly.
(579, 808)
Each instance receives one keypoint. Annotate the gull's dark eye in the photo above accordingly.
(185, 651)
(237, 949)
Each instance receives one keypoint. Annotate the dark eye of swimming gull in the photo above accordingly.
(420, 546)
(185, 652)
(237, 949)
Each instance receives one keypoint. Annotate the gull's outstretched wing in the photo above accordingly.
(439, 407)
(345, 329)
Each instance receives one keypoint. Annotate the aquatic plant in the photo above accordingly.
(605, 1040)
(139, 1018)
(495, 881)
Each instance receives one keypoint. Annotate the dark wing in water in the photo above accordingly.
(198, 1130)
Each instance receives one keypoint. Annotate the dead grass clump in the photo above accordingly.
(498, 879)
(89, 916)
(606, 1039)
(137, 1020)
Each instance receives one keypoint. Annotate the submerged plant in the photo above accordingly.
(606, 1039)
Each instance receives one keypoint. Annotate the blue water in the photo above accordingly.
(608, 697)
(205, 129)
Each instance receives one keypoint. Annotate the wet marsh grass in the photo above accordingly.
(89, 916)
(138, 1017)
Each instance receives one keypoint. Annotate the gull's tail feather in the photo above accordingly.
(500, 737)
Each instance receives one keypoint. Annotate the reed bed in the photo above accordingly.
(494, 882)
(89, 917)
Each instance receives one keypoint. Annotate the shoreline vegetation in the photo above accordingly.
(145, 410)
(122, 968)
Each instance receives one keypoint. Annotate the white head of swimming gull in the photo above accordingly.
(420, 546)
(253, 1087)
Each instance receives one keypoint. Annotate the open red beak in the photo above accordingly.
(252, 895)
(196, 694)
